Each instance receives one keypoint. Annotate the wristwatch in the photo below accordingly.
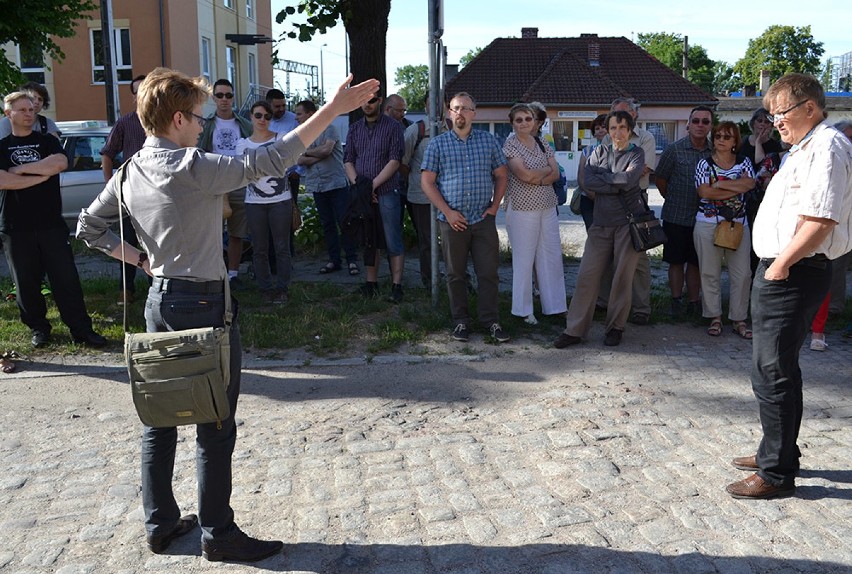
(143, 257)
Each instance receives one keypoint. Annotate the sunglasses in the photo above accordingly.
(227, 95)
(524, 120)
(373, 101)
(258, 115)
(725, 137)
(703, 121)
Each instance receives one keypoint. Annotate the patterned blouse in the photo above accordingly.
(524, 196)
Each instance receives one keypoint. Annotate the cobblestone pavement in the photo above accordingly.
(471, 459)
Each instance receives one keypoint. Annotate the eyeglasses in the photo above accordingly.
(226, 95)
(200, 119)
(373, 101)
(725, 137)
(780, 116)
(703, 121)
(523, 120)
(460, 109)
(258, 115)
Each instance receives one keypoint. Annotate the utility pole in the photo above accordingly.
(437, 60)
(686, 57)
(113, 108)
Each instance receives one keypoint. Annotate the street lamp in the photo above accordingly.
(322, 77)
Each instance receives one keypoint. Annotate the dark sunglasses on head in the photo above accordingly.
(373, 101)
(220, 95)
(258, 115)
(703, 121)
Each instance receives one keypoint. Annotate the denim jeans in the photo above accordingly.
(331, 207)
(782, 312)
(275, 219)
(390, 208)
(214, 446)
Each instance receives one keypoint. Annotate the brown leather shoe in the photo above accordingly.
(746, 463)
(755, 487)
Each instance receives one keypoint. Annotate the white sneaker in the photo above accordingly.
(531, 319)
(818, 344)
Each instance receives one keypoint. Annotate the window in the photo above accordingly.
(250, 9)
(228, 4)
(31, 60)
(502, 130)
(563, 135)
(231, 65)
(205, 59)
(252, 71)
(121, 55)
(663, 132)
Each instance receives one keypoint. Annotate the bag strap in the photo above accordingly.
(540, 145)
(122, 177)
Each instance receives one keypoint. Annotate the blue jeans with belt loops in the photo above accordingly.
(165, 311)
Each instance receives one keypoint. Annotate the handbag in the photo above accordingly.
(178, 377)
(646, 231)
(576, 198)
(560, 186)
(297, 217)
(728, 234)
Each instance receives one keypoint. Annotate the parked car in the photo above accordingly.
(83, 180)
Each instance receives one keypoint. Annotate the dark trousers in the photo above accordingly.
(31, 254)
(331, 207)
(129, 268)
(421, 217)
(587, 210)
(782, 312)
(481, 242)
(175, 311)
(269, 225)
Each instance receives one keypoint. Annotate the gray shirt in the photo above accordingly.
(614, 176)
(174, 198)
(328, 173)
(6, 126)
(413, 158)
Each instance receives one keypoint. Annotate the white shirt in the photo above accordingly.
(814, 181)
(225, 137)
(266, 189)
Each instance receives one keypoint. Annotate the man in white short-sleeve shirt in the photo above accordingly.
(804, 222)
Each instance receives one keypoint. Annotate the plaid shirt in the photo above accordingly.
(370, 149)
(677, 166)
(464, 169)
(127, 136)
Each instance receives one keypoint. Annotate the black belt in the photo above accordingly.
(185, 286)
(818, 261)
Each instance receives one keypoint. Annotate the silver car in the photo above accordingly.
(83, 180)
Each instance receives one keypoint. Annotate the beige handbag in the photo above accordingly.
(728, 234)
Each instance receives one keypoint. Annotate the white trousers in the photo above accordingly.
(710, 264)
(534, 236)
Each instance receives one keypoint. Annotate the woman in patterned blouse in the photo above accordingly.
(531, 219)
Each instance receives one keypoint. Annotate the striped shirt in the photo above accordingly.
(677, 166)
(464, 171)
(370, 149)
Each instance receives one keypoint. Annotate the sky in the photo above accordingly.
(723, 29)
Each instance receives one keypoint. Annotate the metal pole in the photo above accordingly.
(110, 81)
(322, 77)
(435, 104)
(686, 57)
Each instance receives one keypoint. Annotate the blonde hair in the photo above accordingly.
(164, 92)
(14, 97)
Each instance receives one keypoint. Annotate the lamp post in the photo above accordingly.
(322, 77)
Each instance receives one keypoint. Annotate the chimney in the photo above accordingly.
(764, 81)
(529, 32)
(594, 53)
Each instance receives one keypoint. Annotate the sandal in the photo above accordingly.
(353, 269)
(715, 328)
(741, 329)
(329, 268)
(6, 364)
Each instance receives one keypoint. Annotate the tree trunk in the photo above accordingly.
(367, 29)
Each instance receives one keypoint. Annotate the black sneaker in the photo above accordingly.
(396, 293)
(565, 340)
(369, 289)
(677, 307)
(40, 339)
(497, 333)
(90, 339)
(639, 319)
(236, 283)
(239, 547)
(461, 333)
(613, 338)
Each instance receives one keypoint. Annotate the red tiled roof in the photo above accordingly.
(556, 71)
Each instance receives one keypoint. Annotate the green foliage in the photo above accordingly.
(725, 80)
(415, 84)
(780, 50)
(825, 75)
(668, 49)
(31, 23)
(465, 60)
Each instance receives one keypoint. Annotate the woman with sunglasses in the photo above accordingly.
(269, 211)
(722, 182)
(531, 218)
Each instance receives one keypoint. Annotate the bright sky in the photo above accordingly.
(724, 30)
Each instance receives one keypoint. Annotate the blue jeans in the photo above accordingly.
(214, 446)
(275, 219)
(782, 312)
(390, 208)
(331, 207)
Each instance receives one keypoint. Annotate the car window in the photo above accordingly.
(87, 153)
